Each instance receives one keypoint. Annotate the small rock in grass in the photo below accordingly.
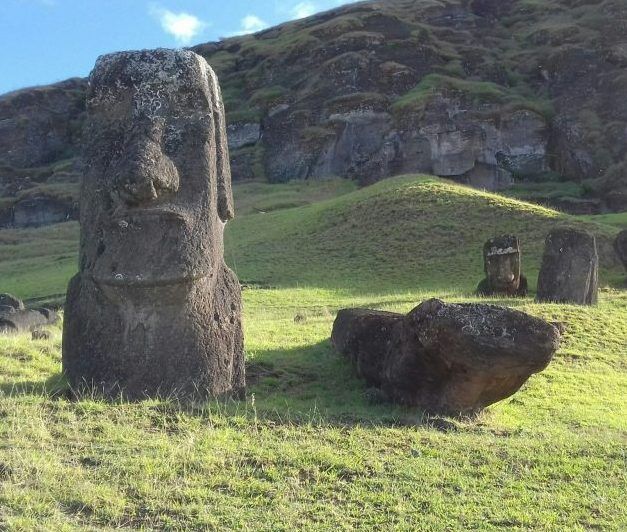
(41, 334)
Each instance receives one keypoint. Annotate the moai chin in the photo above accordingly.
(154, 311)
(502, 265)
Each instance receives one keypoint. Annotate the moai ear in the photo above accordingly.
(225, 192)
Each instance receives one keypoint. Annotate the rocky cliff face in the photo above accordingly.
(485, 92)
(40, 130)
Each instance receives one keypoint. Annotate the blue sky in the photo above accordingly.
(43, 41)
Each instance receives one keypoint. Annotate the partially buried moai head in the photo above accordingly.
(157, 185)
(502, 263)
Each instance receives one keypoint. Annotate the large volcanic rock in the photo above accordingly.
(445, 358)
(16, 318)
(41, 124)
(570, 268)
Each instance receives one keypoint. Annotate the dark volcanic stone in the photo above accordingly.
(502, 265)
(21, 321)
(621, 246)
(445, 358)
(11, 301)
(569, 271)
(154, 310)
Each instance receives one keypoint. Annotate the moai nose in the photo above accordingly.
(146, 173)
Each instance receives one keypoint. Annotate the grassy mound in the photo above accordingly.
(395, 235)
(392, 236)
(308, 449)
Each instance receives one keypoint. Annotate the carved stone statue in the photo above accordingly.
(502, 265)
(570, 268)
(154, 310)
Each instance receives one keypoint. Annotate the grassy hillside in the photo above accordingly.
(395, 235)
(307, 449)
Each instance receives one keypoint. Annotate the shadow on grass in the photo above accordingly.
(308, 385)
(55, 387)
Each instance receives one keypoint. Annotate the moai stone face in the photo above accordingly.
(154, 310)
(502, 264)
(157, 186)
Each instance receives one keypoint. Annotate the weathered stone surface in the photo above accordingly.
(502, 265)
(154, 310)
(22, 321)
(37, 211)
(41, 124)
(11, 301)
(559, 107)
(240, 135)
(621, 246)
(445, 358)
(570, 265)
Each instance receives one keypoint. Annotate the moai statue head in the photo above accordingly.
(154, 310)
(501, 261)
(157, 188)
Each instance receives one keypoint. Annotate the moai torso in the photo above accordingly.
(153, 309)
(570, 268)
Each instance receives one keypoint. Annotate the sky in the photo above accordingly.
(44, 41)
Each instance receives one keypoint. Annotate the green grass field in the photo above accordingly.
(307, 450)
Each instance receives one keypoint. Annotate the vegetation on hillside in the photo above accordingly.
(308, 449)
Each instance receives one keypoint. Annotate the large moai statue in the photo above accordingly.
(154, 310)
(570, 268)
(502, 265)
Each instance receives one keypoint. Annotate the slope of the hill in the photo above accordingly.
(401, 233)
(395, 235)
(485, 92)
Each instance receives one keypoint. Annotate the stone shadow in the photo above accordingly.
(307, 385)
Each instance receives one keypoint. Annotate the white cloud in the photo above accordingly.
(304, 10)
(251, 24)
(182, 26)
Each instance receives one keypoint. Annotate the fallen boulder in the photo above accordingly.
(570, 266)
(7, 300)
(445, 358)
(22, 321)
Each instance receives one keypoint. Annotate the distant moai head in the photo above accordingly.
(157, 184)
(501, 258)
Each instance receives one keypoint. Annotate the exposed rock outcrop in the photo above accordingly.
(445, 358)
(16, 318)
(41, 125)
(487, 93)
